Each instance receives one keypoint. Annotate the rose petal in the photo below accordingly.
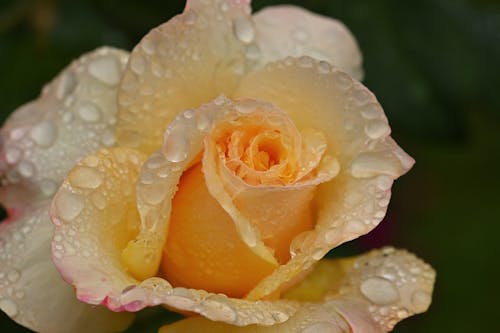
(369, 294)
(315, 95)
(293, 31)
(74, 115)
(27, 273)
(40, 142)
(183, 63)
(89, 247)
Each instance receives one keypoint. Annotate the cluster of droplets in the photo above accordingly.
(74, 115)
(209, 47)
(395, 283)
(12, 249)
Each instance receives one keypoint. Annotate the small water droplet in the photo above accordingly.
(243, 29)
(377, 129)
(379, 291)
(324, 67)
(384, 182)
(12, 155)
(108, 138)
(420, 300)
(85, 177)
(203, 121)
(9, 307)
(148, 46)
(106, 70)
(305, 62)
(89, 112)
(66, 85)
(44, 134)
(48, 187)
(343, 80)
(26, 169)
(176, 144)
(69, 205)
(300, 34)
(138, 64)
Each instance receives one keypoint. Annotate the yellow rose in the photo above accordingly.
(237, 157)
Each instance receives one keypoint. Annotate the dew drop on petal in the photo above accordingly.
(84, 177)
(243, 29)
(379, 290)
(44, 134)
(69, 205)
(12, 155)
(106, 70)
(26, 169)
(420, 300)
(89, 112)
(377, 129)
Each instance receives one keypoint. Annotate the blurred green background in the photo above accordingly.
(435, 67)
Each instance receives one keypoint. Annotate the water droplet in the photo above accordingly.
(324, 67)
(26, 169)
(377, 129)
(44, 134)
(69, 205)
(379, 291)
(420, 300)
(66, 85)
(367, 165)
(9, 307)
(148, 46)
(320, 327)
(343, 80)
(305, 62)
(243, 29)
(106, 70)
(138, 64)
(48, 187)
(12, 155)
(85, 177)
(108, 138)
(219, 310)
(176, 144)
(384, 182)
(89, 112)
(371, 111)
(355, 227)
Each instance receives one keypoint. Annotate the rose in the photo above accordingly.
(320, 140)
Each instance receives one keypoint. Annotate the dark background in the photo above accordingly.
(435, 67)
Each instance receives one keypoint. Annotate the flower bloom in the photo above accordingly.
(238, 150)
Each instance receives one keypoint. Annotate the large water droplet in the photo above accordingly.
(176, 144)
(105, 70)
(44, 134)
(9, 307)
(243, 29)
(377, 129)
(379, 291)
(12, 155)
(89, 112)
(85, 177)
(69, 205)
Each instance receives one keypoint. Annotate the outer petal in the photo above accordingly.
(32, 291)
(181, 64)
(356, 130)
(73, 116)
(292, 31)
(95, 217)
(367, 294)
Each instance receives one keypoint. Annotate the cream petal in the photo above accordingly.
(315, 95)
(74, 115)
(90, 254)
(293, 31)
(181, 64)
(27, 274)
(369, 294)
